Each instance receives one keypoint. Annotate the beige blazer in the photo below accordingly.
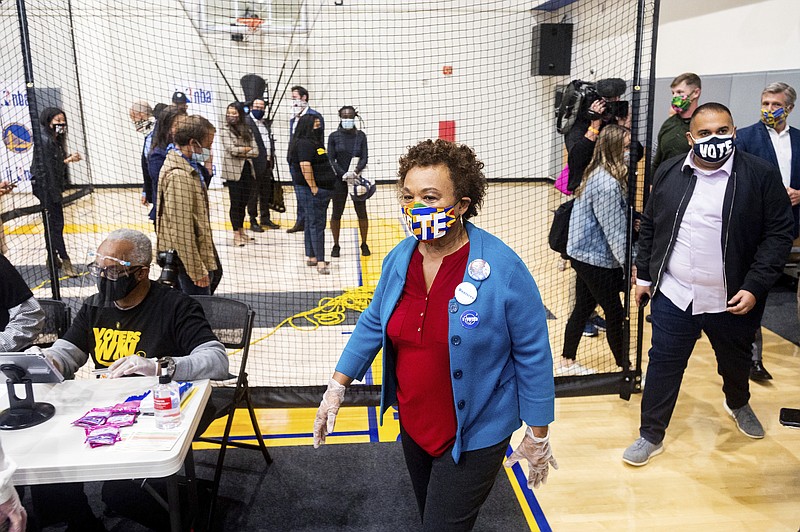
(234, 157)
(182, 220)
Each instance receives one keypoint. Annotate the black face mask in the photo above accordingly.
(111, 291)
(318, 134)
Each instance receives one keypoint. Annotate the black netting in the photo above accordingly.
(487, 74)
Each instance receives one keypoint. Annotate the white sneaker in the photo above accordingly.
(565, 370)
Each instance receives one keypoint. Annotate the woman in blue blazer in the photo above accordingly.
(466, 354)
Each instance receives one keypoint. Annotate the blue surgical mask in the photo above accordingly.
(202, 157)
(714, 148)
(348, 123)
(258, 114)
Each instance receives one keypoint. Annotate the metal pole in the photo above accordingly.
(39, 169)
(634, 376)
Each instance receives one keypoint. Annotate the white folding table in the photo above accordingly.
(54, 451)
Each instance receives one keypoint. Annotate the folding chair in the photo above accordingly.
(57, 317)
(232, 322)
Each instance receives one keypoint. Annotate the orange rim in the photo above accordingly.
(251, 22)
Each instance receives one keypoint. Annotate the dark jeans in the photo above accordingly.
(260, 195)
(450, 495)
(341, 191)
(240, 193)
(674, 334)
(316, 218)
(297, 177)
(595, 285)
(55, 217)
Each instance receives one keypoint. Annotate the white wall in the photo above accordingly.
(384, 57)
(727, 36)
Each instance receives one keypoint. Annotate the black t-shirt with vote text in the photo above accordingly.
(165, 323)
(13, 290)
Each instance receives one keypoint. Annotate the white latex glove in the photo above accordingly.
(328, 408)
(13, 510)
(133, 365)
(539, 456)
(350, 177)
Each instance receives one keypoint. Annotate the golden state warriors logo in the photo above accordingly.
(17, 138)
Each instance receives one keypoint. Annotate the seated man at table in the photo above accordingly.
(129, 324)
(132, 321)
(21, 317)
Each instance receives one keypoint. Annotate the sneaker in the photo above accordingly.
(746, 421)
(598, 322)
(590, 330)
(254, 227)
(759, 373)
(641, 451)
(335, 251)
(365, 252)
(572, 370)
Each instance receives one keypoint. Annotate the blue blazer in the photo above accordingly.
(755, 139)
(501, 370)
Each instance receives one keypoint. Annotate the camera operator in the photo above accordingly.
(601, 106)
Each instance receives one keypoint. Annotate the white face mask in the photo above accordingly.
(298, 106)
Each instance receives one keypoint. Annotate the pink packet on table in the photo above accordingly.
(98, 436)
(128, 407)
(121, 419)
(93, 418)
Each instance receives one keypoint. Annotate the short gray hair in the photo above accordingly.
(781, 87)
(142, 247)
(142, 106)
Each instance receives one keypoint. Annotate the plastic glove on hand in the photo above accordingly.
(350, 178)
(133, 365)
(326, 414)
(15, 512)
(539, 456)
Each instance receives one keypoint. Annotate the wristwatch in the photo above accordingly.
(170, 365)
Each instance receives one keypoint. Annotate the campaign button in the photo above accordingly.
(479, 269)
(470, 319)
(466, 293)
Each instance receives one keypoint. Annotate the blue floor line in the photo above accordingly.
(530, 498)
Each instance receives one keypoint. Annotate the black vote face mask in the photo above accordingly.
(111, 291)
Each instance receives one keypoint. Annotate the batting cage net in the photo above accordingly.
(95, 94)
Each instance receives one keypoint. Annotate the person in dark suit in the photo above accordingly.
(264, 163)
(143, 120)
(773, 140)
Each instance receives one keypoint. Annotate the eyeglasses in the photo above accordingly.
(112, 273)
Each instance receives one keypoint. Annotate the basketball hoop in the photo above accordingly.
(252, 23)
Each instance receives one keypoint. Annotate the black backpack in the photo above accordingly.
(559, 230)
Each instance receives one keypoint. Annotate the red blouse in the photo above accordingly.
(419, 333)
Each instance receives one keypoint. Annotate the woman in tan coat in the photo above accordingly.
(237, 166)
(182, 220)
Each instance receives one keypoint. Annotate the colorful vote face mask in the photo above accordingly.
(428, 223)
(714, 148)
(773, 118)
(681, 103)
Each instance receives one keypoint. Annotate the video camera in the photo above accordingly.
(575, 99)
(170, 266)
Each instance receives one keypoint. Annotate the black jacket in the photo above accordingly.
(50, 175)
(757, 224)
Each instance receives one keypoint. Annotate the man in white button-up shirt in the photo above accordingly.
(714, 237)
(772, 139)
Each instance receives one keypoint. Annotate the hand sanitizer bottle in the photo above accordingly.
(166, 400)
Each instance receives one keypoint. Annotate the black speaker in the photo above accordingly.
(551, 50)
